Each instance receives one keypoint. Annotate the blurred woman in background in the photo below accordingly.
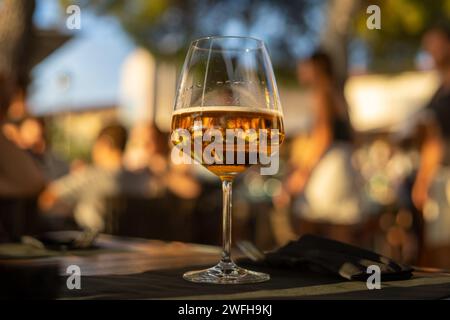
(431, 189)
(321, 186)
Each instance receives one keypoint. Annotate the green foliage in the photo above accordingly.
(166, 27)
(403, 22)
(291, 27)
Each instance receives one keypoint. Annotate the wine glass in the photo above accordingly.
(227, 117)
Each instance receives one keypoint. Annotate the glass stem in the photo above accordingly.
(226, 220)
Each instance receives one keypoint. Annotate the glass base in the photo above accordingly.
(226, 273)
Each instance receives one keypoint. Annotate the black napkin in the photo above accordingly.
(68, 240)
(332, 257)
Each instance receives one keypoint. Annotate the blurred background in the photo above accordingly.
(86, 95)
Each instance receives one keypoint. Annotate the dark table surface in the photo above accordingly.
(123, 268)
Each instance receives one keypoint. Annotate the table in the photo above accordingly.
(148, 269)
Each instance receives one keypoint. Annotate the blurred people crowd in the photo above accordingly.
(324, 190)
(120, 167)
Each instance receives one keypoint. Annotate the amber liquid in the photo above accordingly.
(249, 120)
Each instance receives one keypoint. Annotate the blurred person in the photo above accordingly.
(147, 152)
(11, 132)
(430, 191)
(434, 127)
(145, 161)
(182, 182)
(88, 189)
(32, 139)
(180, 179)
(175, 188)
(146, 148)
(322, 183)
(19, 176)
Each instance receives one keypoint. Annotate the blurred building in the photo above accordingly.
(385, 102)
